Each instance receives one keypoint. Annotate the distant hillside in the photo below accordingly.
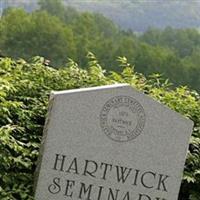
(137, 15)
(28, 5)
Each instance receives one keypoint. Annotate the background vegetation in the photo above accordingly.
(136, 15)
(57, 33)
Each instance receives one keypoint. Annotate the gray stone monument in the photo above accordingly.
(111, 143)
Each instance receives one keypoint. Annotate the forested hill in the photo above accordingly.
(57, 33)
(137, 15)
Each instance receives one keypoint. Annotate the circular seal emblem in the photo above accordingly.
(122, 118)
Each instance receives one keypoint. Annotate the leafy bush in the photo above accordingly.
(24, 92)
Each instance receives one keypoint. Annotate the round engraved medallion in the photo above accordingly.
(122, 118)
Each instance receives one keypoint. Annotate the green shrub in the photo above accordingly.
(24, 92)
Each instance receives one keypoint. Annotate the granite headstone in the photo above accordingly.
(111, 143)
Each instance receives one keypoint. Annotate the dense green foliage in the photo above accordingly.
(24, 92)
(57, 33)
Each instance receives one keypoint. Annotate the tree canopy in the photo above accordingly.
(58, 33)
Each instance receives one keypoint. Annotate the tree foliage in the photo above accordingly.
(58, 33)
(25, 35)
(24, 92)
